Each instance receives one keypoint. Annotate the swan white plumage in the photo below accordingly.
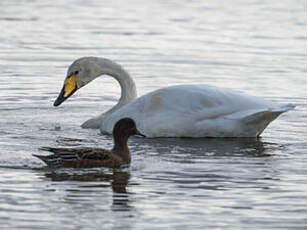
(176, 111)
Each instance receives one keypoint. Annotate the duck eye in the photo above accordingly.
(76, 72)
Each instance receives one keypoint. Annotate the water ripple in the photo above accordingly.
(258, 47)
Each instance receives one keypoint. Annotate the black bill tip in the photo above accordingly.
(61, 98)
(138, 133)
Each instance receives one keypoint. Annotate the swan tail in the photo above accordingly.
(258, 120)
(262, 117)
(255, 114)
(284, 108)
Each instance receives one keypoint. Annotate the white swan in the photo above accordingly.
(176, 111)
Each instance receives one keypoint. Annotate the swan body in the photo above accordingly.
(176, 111)
(197, 111)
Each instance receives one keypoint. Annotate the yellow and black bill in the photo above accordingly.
(70, 86)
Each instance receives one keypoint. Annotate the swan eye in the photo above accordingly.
(76, 72)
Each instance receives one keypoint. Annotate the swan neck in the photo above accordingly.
(103, 66)
(127, 85)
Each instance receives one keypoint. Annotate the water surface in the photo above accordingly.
(254, 46)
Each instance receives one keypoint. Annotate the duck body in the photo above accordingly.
(197, 111)
(81, 158)
(88, 157)
(175, 111)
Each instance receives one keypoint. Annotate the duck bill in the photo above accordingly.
(138, 133)
(69, 88)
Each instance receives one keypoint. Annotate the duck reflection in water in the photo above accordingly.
(83, 188)
(118, 179)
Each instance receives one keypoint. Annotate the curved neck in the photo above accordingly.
(127, 85)
(103, 66)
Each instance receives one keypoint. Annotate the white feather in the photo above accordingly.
(197, 111)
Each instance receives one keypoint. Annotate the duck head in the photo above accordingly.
(125, 128)
(80, 73)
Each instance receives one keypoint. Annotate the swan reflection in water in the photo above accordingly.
(204, 147)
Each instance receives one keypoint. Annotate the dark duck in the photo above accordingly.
(95, 157)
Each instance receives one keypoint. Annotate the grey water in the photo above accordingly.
(258, 47)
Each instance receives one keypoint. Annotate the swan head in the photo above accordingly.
(80, 73)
